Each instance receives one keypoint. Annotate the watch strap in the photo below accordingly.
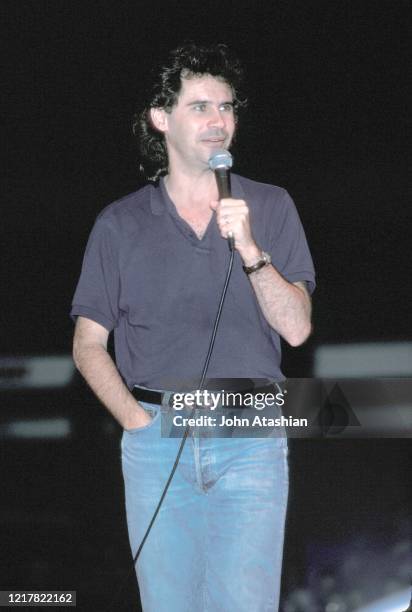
(263, 261)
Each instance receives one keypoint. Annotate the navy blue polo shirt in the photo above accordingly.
(148, 277)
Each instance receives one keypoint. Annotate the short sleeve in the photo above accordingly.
(97, 293)
(289, 248)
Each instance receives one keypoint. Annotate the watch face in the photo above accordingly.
(266, 257)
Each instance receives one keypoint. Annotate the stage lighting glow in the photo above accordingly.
(36, 372)
(359, 360)
(41, 429)
(398, 602)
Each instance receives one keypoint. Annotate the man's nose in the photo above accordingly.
(216, 117)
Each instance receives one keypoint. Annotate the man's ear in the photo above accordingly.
(158, 118)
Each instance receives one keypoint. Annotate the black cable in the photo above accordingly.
(200, 387)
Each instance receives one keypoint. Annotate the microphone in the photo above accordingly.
(220, 162)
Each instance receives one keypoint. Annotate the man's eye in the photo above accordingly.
(227, 107)
(200, 107)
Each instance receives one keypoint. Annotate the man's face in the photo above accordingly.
(201, 121)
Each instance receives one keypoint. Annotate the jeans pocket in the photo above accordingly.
(154, 411)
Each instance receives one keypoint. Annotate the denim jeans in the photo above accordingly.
(217, 542)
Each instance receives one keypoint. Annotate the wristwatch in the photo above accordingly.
(264, 260)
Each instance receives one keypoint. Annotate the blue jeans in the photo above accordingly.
(217, 542)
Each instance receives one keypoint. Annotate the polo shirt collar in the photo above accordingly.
(157, 202)
(160, 201)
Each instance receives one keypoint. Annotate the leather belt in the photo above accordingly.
(148, 396)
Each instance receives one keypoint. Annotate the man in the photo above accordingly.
(153, 271)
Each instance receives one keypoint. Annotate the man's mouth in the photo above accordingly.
(214, 139)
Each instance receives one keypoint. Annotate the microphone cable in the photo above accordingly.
(200, 387)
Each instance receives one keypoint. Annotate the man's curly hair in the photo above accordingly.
(187, 61)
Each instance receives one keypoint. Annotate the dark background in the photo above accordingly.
(327, 119)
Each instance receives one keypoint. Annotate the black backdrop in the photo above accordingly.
(327, 119)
